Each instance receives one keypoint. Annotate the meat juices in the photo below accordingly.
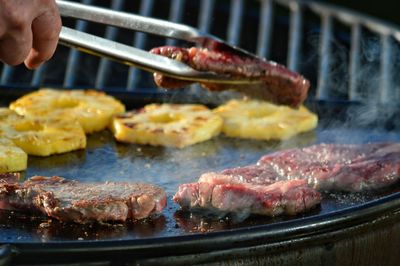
(68, 200)
(285, 182)
(279, 85)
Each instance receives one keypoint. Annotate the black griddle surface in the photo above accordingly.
(106, 160)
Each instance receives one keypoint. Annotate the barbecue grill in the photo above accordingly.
(350, 60)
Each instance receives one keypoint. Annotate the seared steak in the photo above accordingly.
(228, 193)
(340, 167)
(10, 177)
(69, 200)
(279, 84)
(285, 181)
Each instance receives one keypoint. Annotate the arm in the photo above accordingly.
(29, 31)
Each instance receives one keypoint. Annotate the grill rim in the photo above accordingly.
(267, 236)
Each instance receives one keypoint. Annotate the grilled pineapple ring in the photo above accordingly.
(254, 119)
(41, 136)
(12, 158)
(174, 125)
(93, 109)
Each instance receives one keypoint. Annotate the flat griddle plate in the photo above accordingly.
(106, 160)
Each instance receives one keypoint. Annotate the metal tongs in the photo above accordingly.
(136, 57)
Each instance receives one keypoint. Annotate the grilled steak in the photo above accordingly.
(10, 177)
(229, 193)
(279, 84)
(285, 181)
(340, 167)
(69, 200)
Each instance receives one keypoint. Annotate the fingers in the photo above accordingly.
(15, 46)
(15, 34)
(29, 31)
(45, 38)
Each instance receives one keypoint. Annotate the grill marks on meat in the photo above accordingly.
(228, 193)
(279, 84)
(69, 200)
(285, 182)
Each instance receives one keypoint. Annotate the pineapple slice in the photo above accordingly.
(12, 158)
(174, 125)
(253, 119)
(41, 136)
(93, 109)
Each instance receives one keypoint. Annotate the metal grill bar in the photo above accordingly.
(103, 72)
(140, 39)
(354, 62)
(206, 12)
(6, 74)
(295, 33)
(175, 15)
(265, 30)
(204, 23)
(235, 22)
(386, 69)
(389, 37)
(38, 75)
(74, 55)
(325, 53)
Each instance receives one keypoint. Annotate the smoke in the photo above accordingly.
(361, 113)
(338, 81)
(370, 49)
(196, 94)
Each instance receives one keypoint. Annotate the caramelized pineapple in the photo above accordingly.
(174, 125)
(255, 119)
(12, 158)
(41, 136)
(93, 109)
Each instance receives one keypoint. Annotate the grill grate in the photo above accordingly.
(111, 33)
(74, 55)
(279, 24)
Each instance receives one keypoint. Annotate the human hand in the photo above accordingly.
(29, 31)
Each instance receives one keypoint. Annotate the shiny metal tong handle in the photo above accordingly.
(133, 56)
(129, 21)
(145, 24)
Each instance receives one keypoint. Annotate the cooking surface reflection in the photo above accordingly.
(106, 160)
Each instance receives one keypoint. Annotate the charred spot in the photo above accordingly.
(130, 125)
(200, 118)
(158, 130)
(10, 177)
(175, 131)
(126, 115)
